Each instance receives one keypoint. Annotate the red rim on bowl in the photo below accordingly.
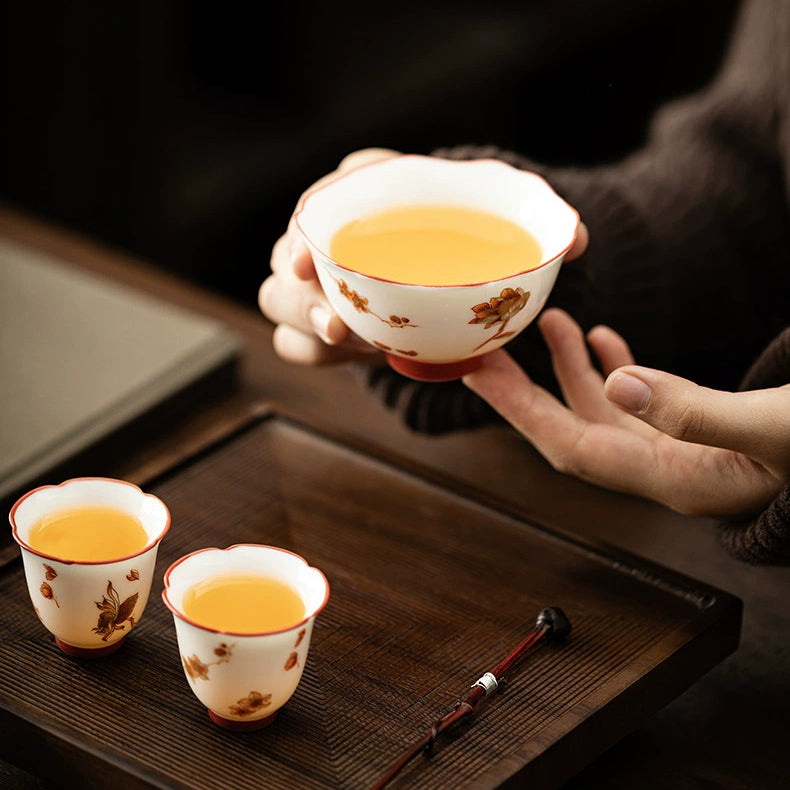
(300, 208)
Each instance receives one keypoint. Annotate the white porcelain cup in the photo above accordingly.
(437, 333)
(244, 679)
(89, 606)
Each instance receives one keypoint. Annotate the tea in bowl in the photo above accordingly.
(89, 547)
(436, 262)
(244, 620)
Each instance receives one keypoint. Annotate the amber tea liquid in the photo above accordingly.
(88, 533)
(243, 603)
(435, 245)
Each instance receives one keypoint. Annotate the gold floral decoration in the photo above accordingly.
(113, 612)
(46, 588)
(360, 304)
(498, 311)
(197, 670)
(250, 704)
(403, 351)
(46, 591)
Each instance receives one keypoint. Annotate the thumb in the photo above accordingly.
(755, 423)
(580, 245)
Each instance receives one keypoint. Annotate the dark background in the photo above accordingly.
(184, 132)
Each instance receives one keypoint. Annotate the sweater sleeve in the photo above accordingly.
(688, 236)
(765, 539)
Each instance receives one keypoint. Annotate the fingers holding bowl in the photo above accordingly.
(308, 331)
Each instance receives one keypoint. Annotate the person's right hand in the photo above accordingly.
(307, 330)
(642, 431)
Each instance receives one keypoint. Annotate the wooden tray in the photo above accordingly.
(430, 587)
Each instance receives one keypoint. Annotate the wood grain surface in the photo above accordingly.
(429, 589)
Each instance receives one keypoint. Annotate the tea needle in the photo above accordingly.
(551, 622)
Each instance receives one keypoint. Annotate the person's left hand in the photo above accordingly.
(642, 431)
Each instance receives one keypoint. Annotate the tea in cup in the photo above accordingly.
(89, 547)
(244, 620)
(433, 261)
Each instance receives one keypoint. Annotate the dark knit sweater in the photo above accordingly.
(689, 254)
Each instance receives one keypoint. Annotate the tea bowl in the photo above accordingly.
(89, 606)
(244, 679)
(437, 333)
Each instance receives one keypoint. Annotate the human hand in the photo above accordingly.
(643, 431)
(307, 330)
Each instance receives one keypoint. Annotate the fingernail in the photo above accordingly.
(319, 319)
(628, 392)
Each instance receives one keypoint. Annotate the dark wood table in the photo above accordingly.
(728, 729)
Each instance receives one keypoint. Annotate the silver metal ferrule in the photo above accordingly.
(487, 682)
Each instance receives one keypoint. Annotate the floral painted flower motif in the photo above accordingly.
(360, 304)
(197, 670)
(498, 310)
(46, 591)
(250, 704)
(222, 651)
(113, 612)
(46, 588)
(403, 351)
(133, 575)
(292, 661)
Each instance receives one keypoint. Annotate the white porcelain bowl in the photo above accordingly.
(437, 332)
(244, 679)
(90, 607)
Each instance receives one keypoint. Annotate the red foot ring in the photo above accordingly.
(242, 726)
(430, 371)
(88, 652)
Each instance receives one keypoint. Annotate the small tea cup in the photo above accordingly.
(89, 606)
(243, 679)
(437, 332)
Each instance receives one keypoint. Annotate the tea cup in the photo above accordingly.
(244, 678)
(437, 332)
(89, 606)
